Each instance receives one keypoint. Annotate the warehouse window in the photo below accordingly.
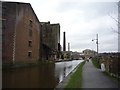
(30, 43)
(30, 32)
(3, 23)
(30, 23)
(30, 54)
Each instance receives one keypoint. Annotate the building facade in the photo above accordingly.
(89, 53)
(66, 55)
(20, 33)
(76, 55)
(50, 41)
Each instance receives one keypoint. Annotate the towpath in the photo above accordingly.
(95, 78)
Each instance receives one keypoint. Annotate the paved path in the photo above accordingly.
(94, 78)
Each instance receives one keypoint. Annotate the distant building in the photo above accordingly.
(20, 33)
(66, 55)
(89, 53)
(76, 55)
(50, 37)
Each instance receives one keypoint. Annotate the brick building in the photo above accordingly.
(89, 53)
(50, 39)
(75, 55)
(67, 55)
(20, 33)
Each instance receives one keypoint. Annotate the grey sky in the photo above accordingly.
(81, 21)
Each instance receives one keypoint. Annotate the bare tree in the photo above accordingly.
(117, 20)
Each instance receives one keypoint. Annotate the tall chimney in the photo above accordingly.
(64, 42)
(68, 46)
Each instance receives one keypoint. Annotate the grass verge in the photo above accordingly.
(95, 63)
(76, 78)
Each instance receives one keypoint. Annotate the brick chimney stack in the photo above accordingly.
(68, 46)
(64, 42)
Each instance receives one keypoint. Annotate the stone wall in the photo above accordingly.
(112, 63)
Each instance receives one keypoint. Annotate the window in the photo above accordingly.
(3, 11)
(30, 43)
(30, 32)
(30, 23)
(30, 54)
(3, 23)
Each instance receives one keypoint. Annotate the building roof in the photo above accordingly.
(22, 3)
(55, 24)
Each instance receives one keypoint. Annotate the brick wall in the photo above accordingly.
(8, 30)
(27, 35)
(51, 40)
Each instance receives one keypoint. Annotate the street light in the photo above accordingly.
(97, 49)
(96, 42)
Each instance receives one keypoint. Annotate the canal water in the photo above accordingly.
(44, 76)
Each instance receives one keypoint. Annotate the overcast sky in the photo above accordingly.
(81, 20)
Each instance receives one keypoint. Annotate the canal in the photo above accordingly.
(44, 76)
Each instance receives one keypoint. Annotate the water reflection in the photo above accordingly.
(44, 76)
(35, 77)
(62, 69)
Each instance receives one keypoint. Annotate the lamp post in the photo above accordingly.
(96, 42)
(97, 50)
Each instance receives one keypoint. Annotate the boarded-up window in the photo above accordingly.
(30, 32)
